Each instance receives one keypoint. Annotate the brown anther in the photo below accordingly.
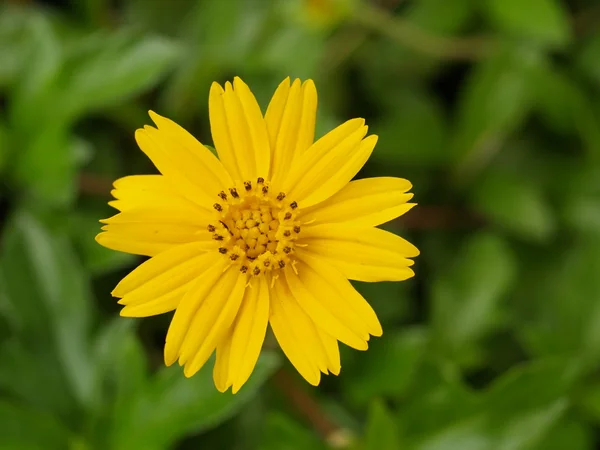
(211, 228)
(297, 229)
(247, 185)
(223, 195)
(293, 205)
(281, 264)
(218, 207)
(217, 237)
(234, 256)
(260, 180)
(288, 216)
(265, 189)
(287, 233)
(256, 271)
(281, 196)
(233, 192)
(266, 263)
(286, 249)
(222, 250)
(244, 269)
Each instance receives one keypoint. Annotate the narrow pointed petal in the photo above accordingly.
(249, 331)
(174, 274)
(150, 239)
(155, 267)
(221, 133)
(366, 202)
(259, 146)
(332, 350)
(363, 254)
(330, 163)
(333, 288)
(290, 122)
(187, 308)
(152, 192)
(212, 176)
(184, 169)
(322, 312)
(221, 374)
(212, 321)
(294, 346)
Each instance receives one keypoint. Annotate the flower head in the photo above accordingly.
(269, 233)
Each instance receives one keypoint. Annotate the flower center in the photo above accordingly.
(256, 229)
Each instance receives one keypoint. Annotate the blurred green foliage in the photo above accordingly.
(490, 107)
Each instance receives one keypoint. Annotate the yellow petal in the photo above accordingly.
(239, 133)
(135, 247)
(221, 369)
(259, 146)
(290, 122)
(332, 350)
(249, 331)
(323, 313)
(222, 135)
(156, 305)
(294, 346)
(185, 170)
(366, 202)
(212, 320)
(330, 163)
(334, 290)
(363, 254)
(161, 267)
(150, 239)
(187, 308)
(213, 176)
(173, 277)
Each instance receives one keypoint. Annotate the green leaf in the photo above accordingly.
(588, 60)
(567, 434)
(31, 373)
(495, 100)
(97, 259)
(541, 21)
(518, 412)
(13, 42)
(466, 297)
(566, 320)
(381, 433)
(414, 134)
(515, 203)
(23, 428)
(114, 70)
(186, 405)
(526, 403)
(120, 367)
(33, 100)
(49, 295)
(45, 168)
(387, 368)
(440, 16)
(283, 433)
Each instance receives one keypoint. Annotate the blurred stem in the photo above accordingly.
(586, 21)
(439, 217)
(306, 405)
(94, 185)
(410, 36)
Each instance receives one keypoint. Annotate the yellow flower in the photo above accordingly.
(269, 233)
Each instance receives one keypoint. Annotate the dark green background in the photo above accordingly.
(490, 107)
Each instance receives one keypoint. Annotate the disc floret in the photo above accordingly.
(256, 228)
